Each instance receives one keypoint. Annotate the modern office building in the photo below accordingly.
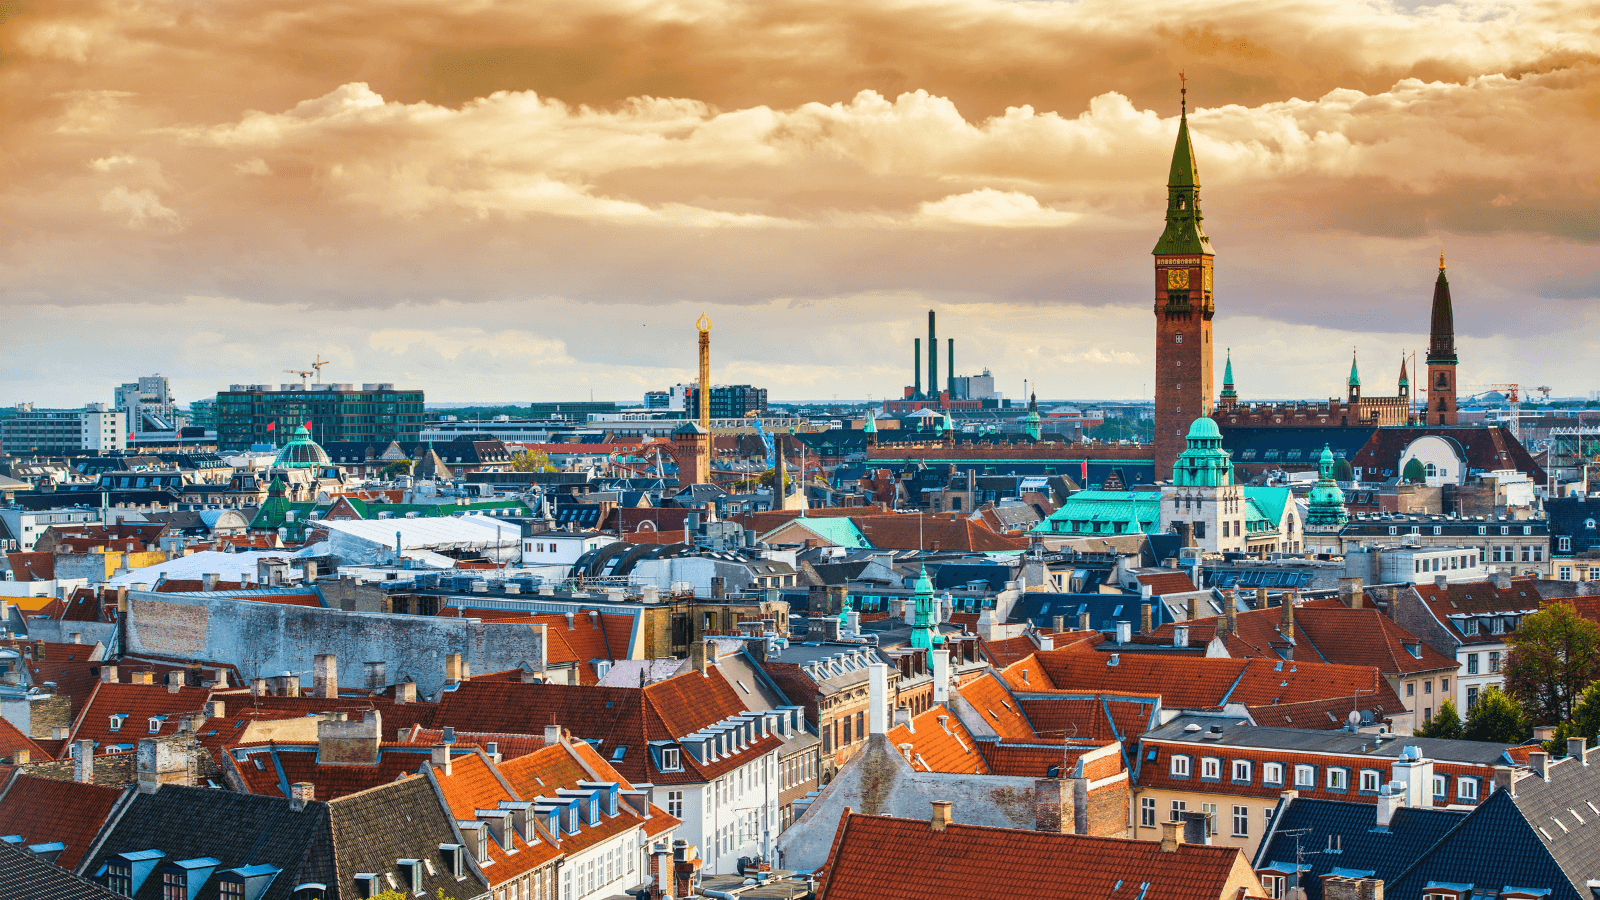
(149, 405)
(249, 414)
(63, 432)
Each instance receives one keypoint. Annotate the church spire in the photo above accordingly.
(1228, 393)
(1442, 330)
(1184, 233)
(1355, 376)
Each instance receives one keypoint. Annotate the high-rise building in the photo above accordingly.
(149, 404)
(249, 414)
(1183, 309)
(63, 432)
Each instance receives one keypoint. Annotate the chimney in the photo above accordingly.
(1539, 761)
(83, 763)
(452, 668)
(941, 815)
(216, 709)
(146, 677)
(1390, 798)
(208, 581)
(702, 656)
(1145, 592)
(1196, 828)
(1171, 836)
(258, 686)
(301, 793)
(1083, 621)
(1416, 773)
(405, 692)
(441, 758)
(108, 674)
(941, 676)
(1262, 598)
(20, 758)
(719, 587)
(162, 762)
(1144, 619)
(1502, 581)
(1505, 779)
(174, 682)
(877, 698)
(1343, 887)
(1180, 635)
(1194, 609)
(1578, 749)
(325, 676)
(1544, 733)
(1230, 612)
(1441, 581)
(345, 742)
(1055, 809)
(1058, 624)
(1286, 617)
(552, 735)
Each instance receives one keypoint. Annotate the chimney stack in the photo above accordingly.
(1171, 836)
(405, 692)
(301, 793)
(1286, 617)
(1180, 635)
(1230, 612)
(83, 763)
(208, 581)
(552, 735)
(941, 815)
(1390, 798)
(441, 757)
(1539, 762)
(878, 698)
(1058, 624)
(1578, 749)
(452, 668)
(1055, 807)
(1083, 621)
(1144, 618)
(702, 656)
(174, 682)
(325, 676)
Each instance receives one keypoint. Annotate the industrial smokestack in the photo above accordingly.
(933, 359)
(916, 368)
(950, 368)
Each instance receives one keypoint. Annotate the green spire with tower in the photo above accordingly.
(1031, 422)
(1355, 376)
(1228, 393)
(924, 630)
(1325, 510)
(1184, 233)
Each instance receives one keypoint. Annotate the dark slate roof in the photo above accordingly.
(23, 875)
(840, 573)
(1484, 448)
(1571, 786)
(1496, 847)
(1105, 610)
(1239, 733)
(235, 829)
(404, 819)
(1362, 848)
(959, 575)
(1262, 577)
(1272, 445)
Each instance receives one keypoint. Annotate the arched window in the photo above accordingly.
(1589, 524)
(1432, 470)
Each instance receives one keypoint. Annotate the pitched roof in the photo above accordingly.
(989, 698)
(472, 785)
(12, 739)
(1091, 717)
(44, 810)
(32, 566)
(562, 766)
(877, 856)
(1167, 582)
(29, 876)
(140, 704)
(240, 830)
(1452, 603)
(919, 530)
(269, 769)
(1322, 632)
(1362, 846)
(1032, 760)
(936, 746)
(375, 828)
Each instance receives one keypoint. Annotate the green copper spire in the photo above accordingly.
(1355, 377)
(1031, 421)
(1325, 510)
(923, 632)
(1204, 463)
(871, 425)
(1184, 234)
(1228, 393)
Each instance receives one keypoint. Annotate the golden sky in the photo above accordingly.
(507, 201)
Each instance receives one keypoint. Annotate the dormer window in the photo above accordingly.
(1470, 626)
(119, 878)
(116, 722)
(1497, 625)
(671, 759)
(155, 724)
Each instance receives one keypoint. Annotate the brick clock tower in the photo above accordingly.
(1184, 309)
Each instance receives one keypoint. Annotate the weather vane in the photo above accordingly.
(1183, 92)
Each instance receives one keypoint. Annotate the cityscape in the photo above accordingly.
(967, 449)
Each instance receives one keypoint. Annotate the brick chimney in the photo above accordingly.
(1230, 612)
(83, 762)
(941, 815)
(1058, 624)
(405, 692)
(174, 682)
(1339, 887)
(1578, 749)
(702, 656)
(301, 793)
(452, 668)
(1171, 836)
(162, 762)
(1144, 618)
(1286, 617)
(342, 742)
(1055, 807)
(108, 674)
(1084, 621)
(325, 676)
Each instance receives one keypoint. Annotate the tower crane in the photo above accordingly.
(1514, 405)
(318, 364)
(305, 375)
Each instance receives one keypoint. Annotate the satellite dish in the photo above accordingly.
(1354, 718)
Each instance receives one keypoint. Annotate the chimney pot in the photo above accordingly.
(941, 815)
(1578, 749)
(301, 793)
(441, 757)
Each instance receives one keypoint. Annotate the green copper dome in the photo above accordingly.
(1325, 509)
(301, 453)
(1204, 428)
(1205, 463)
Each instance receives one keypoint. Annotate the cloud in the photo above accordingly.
(994, 209)
(139, 209)
(255, 165)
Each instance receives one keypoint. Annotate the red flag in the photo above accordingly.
(271, 425)
(308, 424)
(1085, 478)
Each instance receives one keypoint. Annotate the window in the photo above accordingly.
(1147, 812)
(1180, 766)
(1274, 884)
(1211, 767)
(230, 890)
(1241, 771)
(1469, 626)
(1411, 689)
(1305, 776)
(1565, 573)
(1266, 819)
(1472, 698)
(1178, 338)
(1467, 790)
(1494, 662)
(1338, 779)
(670, 759)
(1209, 810)
(1441, 788)
(1472, 658)
(116, 723)
(175, 885)
(119, 878)
(675, 804)
(1241, 821)
(1427, 686)
(1272, 773)
(1370, 779)
(1179, 807)
(1444, 685)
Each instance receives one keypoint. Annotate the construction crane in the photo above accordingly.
(320, 362)
(1544, 389)
(1514, 405)
(305, 375)
(766, 441)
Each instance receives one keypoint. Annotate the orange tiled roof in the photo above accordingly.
(874, 857)
(1478, 597)
(32, 566)
(509, 746)
(939, 746)
(1035, 760)
(284, 764)
(44, 810)
(1000, 710)
(1322, 633)
(12, 739)
(472, 785)
(553, 768)
(1091, 717)
(1168, 583)
(65, 665)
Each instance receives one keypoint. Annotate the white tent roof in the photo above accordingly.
(230, 566)
(444, 533)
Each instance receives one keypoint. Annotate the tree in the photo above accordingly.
(1586, 715)
(1555, 655)
(398, 467)
(1496, 718)
(531, 461)
(1446, 723)
(771, 475)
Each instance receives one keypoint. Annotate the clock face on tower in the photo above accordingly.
(1177, 278)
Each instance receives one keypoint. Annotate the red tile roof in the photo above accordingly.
(1157, 772)
(1167, 583)
(33, 566)
(139, 703)
(284, 764)
(1326, 633)
(12, 739)
(542, 773)
(395, 715)
(875, 857)
(472, 785)
(67, 666)
(1478, 597)
(194, 585)
(616, 717)
(938, 746)
(44, 810)
(1000, 710)
(911, 531)
(1004, 652)
(1035, 760)
(1091, 717)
